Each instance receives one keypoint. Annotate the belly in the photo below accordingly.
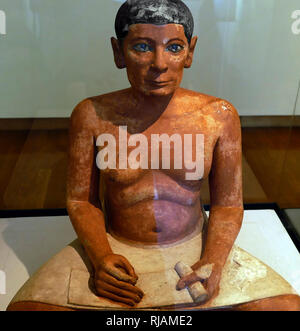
(155, 221)
(152, 208)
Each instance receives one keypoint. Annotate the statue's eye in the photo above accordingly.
(175, 48)
(142, 47)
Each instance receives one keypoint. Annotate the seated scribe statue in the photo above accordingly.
(138, 158)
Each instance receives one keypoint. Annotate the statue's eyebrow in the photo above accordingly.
(143, 38)
(176, 39)
(153, 41)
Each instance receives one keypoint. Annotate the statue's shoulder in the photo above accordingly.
(82, 113)
(205, 100)
(106, 104)
(182, 92)
(197, 101)
(220, 110)
(100, 106)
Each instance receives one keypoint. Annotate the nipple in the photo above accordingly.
(157, 229)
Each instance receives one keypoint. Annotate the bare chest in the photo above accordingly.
(179, 146)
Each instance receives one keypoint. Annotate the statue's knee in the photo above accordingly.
(35, 306)
(288, 302)
(293, 302)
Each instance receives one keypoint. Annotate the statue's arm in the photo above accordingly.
(114, 277)
(88, 221)
(226, 201)
(226, 197)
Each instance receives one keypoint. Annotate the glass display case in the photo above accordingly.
(55, 53)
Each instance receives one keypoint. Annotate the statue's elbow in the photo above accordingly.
(240, 217)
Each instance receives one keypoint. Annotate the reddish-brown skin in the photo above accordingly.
(155, 206)
(36, 306)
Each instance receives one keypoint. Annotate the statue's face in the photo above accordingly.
(155, 57)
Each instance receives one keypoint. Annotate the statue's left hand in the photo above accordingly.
(211, 284)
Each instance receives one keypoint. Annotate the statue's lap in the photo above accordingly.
(65, 280)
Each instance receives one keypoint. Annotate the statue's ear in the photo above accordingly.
(189, 59)
(118, 53)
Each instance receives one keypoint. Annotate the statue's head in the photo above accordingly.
(154, 43)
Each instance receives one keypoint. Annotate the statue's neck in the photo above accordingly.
(150, 105)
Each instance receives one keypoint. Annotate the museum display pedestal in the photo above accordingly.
(27, 243)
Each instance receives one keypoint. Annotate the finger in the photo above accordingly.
(116, 298)
(120, 292)
(124, 263)
(187, 280)
(126, 286)
(120, 275)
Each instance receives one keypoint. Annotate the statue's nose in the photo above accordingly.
(159, 61)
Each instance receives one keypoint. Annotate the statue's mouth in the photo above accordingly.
(158, 83)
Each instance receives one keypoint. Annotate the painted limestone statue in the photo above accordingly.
(138, 158)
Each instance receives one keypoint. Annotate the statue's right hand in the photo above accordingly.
(115, 279)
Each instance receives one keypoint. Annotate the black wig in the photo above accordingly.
(158, 12)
